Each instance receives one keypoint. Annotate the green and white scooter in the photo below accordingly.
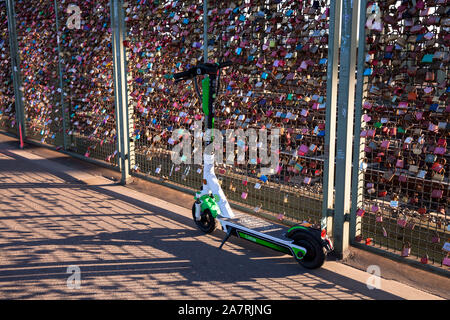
(308, 245)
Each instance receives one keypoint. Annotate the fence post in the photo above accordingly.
(346, 99)
(205, 31)
(123, 112)
(330, 116)
(15, 66)
(358, 154)
(61, 84)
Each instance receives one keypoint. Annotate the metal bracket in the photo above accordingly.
(122, 156)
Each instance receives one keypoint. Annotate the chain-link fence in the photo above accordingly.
(37, 43)
(405, 129)
(7, 107)
(67, 80)
(279, 51)
(87, 78)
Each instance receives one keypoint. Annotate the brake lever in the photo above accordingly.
(181, 79)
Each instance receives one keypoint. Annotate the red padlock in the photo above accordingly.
(382, 194)
(424, 259)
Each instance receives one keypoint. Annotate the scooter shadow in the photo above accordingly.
(237, 260)
(245, 261)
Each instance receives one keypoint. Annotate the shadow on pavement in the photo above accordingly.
(187, 252)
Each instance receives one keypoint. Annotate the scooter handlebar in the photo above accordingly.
(183, 75)
(200, 69)
(225, 64)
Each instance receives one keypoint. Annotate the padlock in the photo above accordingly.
(360, 213)
(435, 238)
(402, 222)
(406, 250)
(446, 261)
(446, 246)
(422, 211)
(424, 259)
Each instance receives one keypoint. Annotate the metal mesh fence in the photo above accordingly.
(36, 37)
(7, 108)
(156, 33)
(278, 82)
(67, 81)
(404, 132)
(87, 78)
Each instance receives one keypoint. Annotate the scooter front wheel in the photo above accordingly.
(207, 222)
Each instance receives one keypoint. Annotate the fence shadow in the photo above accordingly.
(42, 235)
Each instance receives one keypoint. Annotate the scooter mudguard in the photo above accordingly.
(208, 202)
(316, 233)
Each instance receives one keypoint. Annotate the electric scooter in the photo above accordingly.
(308, 245)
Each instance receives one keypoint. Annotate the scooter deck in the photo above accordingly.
(262, 232)
(258, 225)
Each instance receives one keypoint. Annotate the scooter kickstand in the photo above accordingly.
(226, 237)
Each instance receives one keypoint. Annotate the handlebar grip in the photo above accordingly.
(225, 64)
(181, 75)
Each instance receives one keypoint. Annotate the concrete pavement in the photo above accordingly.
(131, 245)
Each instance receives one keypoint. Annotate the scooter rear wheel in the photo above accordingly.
(315, 252)
(207, 223)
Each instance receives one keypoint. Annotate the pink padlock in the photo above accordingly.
(446, 261)
(406, 250)
(402, 222)
(360, 212)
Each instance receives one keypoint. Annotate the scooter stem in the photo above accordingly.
(213, 185)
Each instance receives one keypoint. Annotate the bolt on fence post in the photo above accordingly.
(123, 116)
(61, 85)
(358, 154)
(346, 98)
(330, 115)
(15, 65)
